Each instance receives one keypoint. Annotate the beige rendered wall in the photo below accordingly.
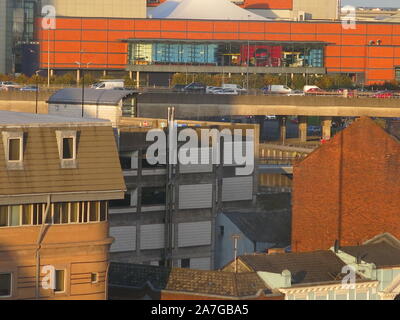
(319, 9)
(99, 8)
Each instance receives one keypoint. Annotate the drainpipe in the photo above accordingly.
(39, 245)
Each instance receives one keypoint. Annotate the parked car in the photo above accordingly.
(226, 91)
(277, 89)
(236, 87)
(179, 88)
(29, 88)
(195, 87)
(296, 93)
(108, 84)
(9, 85)
(311, 89)
(383, 94)
(211, 89)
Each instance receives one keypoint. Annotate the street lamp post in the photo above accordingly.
(37, 90)
(248, 55)
(83, 84)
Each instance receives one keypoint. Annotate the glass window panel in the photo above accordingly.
(93, 211)
(74, 212)
(103, 210)
(5, 284)
(37, 214)
(60, 281)
(68, 148)
(57, 213)
(27, 214)
(14, 150)
(15, 212)
(64, 212)
(3, 216)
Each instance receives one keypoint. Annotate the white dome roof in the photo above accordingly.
(203, 10)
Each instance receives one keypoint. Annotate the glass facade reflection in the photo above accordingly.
(227, 54)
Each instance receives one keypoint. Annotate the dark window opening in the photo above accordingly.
(5, 284)
(153, 196)
(126, 202)
(3, 216)
(126, 163)
(60, 281)
(68, 148)
(14, 150)
(185, 263)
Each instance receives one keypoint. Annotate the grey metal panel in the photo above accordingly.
(92, 96)
(152, 236)
(237, 188)
(200, 263)
(197, 165)
(195, 196)
(193, 234)
(125, 239)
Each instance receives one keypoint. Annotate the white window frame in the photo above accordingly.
(11, 285)
(11, 135)
(65, 134)
(65, 278)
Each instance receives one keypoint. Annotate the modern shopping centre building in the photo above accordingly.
(154, 41)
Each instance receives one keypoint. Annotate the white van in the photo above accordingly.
(277, 89)
(108, 84)
(311, 89)
(235, 87)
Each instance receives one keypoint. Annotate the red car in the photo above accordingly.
(383, 95)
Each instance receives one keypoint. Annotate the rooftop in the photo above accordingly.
(10, 118)
(307, 267)
(203, 9)
(91, 96)
(381, 254)
(214, 283)
(271, 226)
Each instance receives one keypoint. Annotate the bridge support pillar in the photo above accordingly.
(137, 79)
(326, 128)
(302, 128)
(282, 128)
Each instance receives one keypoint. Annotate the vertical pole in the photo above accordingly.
(37, 93)
(83, 92)
(235, 250)
(48, 58)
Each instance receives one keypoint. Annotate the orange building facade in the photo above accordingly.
(370, 52)
(57, 175)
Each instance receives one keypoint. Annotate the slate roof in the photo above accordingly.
(203, 9)
(271, 227)
(381, 254)
(10, 118)
(305, 267)
(215, 283)
(91, 96)
(98, 167)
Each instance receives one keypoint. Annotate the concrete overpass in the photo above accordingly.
(197, 106)
(206, 105)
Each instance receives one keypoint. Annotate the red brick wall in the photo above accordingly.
(354, 201)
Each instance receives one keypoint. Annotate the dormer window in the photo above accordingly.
(67, 148)
(14, 149)
(13, 142)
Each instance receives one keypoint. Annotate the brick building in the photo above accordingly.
(347, 190)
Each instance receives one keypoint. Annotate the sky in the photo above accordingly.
(373, 3)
